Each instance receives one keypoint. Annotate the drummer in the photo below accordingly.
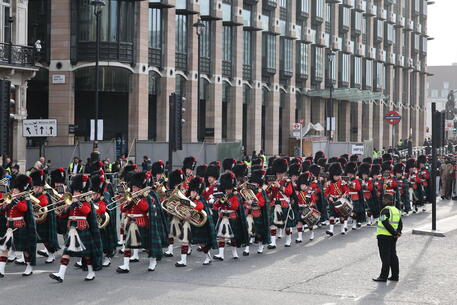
(307, 198)
(334, 190)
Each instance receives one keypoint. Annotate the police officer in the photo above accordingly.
(389, 228)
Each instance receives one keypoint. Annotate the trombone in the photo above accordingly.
(67, 200)
(130, 197)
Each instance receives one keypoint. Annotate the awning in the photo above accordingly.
(347, 94)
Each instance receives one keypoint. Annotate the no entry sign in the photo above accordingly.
(392, 117)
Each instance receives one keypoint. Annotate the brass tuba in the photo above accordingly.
(178, 205)
(102, 219)
(246, 191)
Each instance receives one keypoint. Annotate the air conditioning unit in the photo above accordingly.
(370, 11)
(320, 39)
(307, 36)
(359, 6)
(371, 53)
(400, 21)
(348, 46)
(382, 14)
(348, 3)
(392, 18)
(334, 45)
(391, 58)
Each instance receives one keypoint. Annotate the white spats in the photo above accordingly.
(90, 273)
(28, 270)
(152, 264)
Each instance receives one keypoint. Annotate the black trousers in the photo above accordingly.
(388, 252)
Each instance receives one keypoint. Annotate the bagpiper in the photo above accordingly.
(375, 174)
(354, 191)
(211, 177)
(83, 234)
(424, 175)
(21, 228)
(46, 224)
(58, 179)
(368, 198)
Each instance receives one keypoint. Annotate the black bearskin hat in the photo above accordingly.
(332, 160)
(196, 184)
(201, 170)
(345, 156)
(38, 178)
(335, 169)
(80, 183)
(375, 170)
(58, 176)
(280, 165)
(21, 182)
(321, 162)
(399, 168)
(318, 155)
(364, 169)
(215, 163)
(189, 163)
(157, 168)
(386, 166)
(296, 160)
(176, 177)
(227, 181)
(368, 160)
(306, 165)
(294, 170)
(140, 179)
(315, 170)
(212, 171)
(228, 164)
(270, 172)
(257, 177)
(354, 158)
(240, 170)
(309, 159)
(411, 163)
(127, 171)
(256, 167)
(303, 179)
(343, 161)
(377, 161)
(271, 160)
(256, 161)
(386, 157)
(351, 168)
(422, 159)
(97, 183)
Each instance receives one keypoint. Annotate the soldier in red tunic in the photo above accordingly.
(367, 190)
(334, 190)
(21, 231)
(307, 195)
(211, 177)
(389, 185)
(188, 168)
(354, 190)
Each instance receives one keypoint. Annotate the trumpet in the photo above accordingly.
(130, 198)
(52, 192)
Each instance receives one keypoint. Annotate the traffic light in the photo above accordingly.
(178, 121)
(5, 110)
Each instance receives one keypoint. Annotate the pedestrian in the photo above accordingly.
(146, 165)
(389, 229)
(446, 176)
(40, 165)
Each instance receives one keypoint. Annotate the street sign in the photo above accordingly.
(39, 128)
(296, 130)
(392, 117)
(99, 130)
(357, 149)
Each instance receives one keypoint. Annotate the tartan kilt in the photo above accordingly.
(373, 206)
(205, 234)
(109, 235)
(291, 221)
(61, 226)
(86, 240)
(2, 225)
(144, 241)
(44, 234)
(359, 210)
(332, 211)
(20, 239)
(260, 227)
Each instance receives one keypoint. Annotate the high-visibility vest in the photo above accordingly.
(394, 220)
(72, 165)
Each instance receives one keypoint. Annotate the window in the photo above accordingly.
(205, 7)
(304, 6)
(344, 68)
(205, 47)
(5, 26)
(227, 10)
(155, 28)
(379, 29)
(247, 16)
(247, 55)
(318, 63)
(444, 93)
(434, 93)
(181, 42)
(446, 85)
(380, 75)
(116, 21)
(227, 40)
(346, 13)
(286, 56)
(390, 32)
(357, 73)
(357, 25)
(319, 8)
(269, 51)
(283, 3)
(303, 58)
(368, 73)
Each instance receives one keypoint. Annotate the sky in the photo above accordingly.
(442, 25)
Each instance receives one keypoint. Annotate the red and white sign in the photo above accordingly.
(392, 117)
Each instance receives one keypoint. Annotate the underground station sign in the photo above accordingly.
(392, 117)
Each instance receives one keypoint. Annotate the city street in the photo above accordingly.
(325, 271)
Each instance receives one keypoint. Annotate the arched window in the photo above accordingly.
(225, 100)
(154, 86)
(180, 85)
(204, 96)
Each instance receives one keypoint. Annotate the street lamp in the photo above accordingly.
(199, 27)
(98, 5)
(331, 58)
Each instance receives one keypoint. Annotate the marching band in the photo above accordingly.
(209, 206)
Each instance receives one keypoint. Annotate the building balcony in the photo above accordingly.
(181, 61)
(205, 65)
(109, 51)
(247, 72)
(227, 69)
(161, 3)
(155, 57)
(15, 55)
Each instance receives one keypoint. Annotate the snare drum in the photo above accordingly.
(311, 216)
(343, 207)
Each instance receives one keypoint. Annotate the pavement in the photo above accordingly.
(326, 271)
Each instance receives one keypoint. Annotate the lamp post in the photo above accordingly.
(331, 58)
(98, 5)
(199, 26)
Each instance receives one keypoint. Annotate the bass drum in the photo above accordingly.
(310, 216)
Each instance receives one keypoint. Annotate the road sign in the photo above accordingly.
(39, 128)
(392, 117)
(357, 149)
(296, 130)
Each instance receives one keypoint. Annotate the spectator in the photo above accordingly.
(447, 175)
(147, 164)
(14, 171)
(75, 167)
(40, 165)
(7, 164)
